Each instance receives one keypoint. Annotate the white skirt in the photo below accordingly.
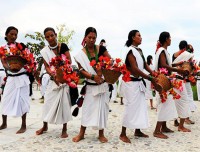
(166, 111)
(193, 106)
(148, 93)
(95, 107)
(182, 104)
(57, 105)
(135, 113)
(16, 100)
(45, 80)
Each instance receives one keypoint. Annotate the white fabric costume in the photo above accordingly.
(2, 76)
(185, 56)
(135, 113)
(166, 111)
(182, 104)
(114, 93)
(148, 93)
(57, 105)
(15, 99)
(44, 81)
(95, 107)
(192, 104)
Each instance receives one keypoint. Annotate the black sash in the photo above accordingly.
(179, 77)
(138, 79)
(18, 74)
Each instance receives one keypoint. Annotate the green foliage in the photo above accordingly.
(64, 35)
(36, 45)
(194, 89)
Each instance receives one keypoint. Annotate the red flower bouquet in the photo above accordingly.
(17, 57)
(111, 69)
(63, 71)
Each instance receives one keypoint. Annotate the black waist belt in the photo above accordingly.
(179, 77)
(138, 79)
(18, 74)
(2, 70)
(187, 80)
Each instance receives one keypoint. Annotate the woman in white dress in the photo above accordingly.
(135, 113)
(193, 106)
(57, 102)
(149, 90)
(165, 111)
(182, 104)
(95, 107)
(15, 99)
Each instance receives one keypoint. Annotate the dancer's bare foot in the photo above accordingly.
(41, 131)
(188, 121)
(124, 139)
(64, 135)
(103, 139)
(3, 126)
(141, 134)
(167, 130)
(160, 135)
(21, 130)
(183, 129)
(78, 138)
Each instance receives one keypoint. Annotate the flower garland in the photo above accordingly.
(61, 62)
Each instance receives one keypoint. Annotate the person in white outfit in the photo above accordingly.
(95, 107)
(119, 90)
(15, 99)
(2, 76)
(165, 111)
(135, 113)
(149, 90)
(44, 80)
(57, 102)
(193, 106)
(182, 104)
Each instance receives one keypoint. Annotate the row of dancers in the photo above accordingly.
(95, 109)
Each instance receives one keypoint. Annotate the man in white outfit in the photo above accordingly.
(44, 78)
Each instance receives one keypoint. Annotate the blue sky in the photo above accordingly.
(113, 20)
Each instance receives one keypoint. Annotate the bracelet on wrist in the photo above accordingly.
(150, 78)
(92, 77)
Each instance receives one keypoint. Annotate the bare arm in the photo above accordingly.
(147, 68)
(67, 54)
(134, 69)
(163, 63)
(106, 54)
